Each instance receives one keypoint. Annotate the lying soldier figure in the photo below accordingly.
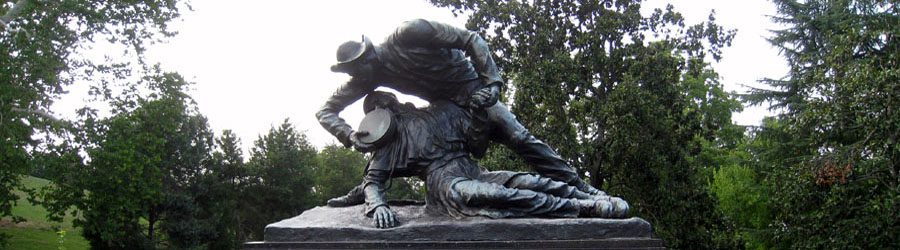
(433, 143)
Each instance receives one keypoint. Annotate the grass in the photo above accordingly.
(26, 238)
(37, 232)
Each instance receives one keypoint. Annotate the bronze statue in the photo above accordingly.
(432, 144)
(438, 62)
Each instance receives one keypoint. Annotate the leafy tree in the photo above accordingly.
(339, 170)
(625, 98)
(743, 197)
(135, 187)
(39, 41)
(283, 163)
(222, 191)
(406, 188)
(836, 186)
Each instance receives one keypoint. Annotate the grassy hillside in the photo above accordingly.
(37, 232)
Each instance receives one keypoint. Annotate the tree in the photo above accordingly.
(741, 191)
(627, 99)
(406, 188)
(222, 191)
(135, 187)
(339, 170)
(282, 162)
(38, 45)
(837, 186)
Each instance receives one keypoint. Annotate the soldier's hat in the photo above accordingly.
(350, 52)
(379, 122)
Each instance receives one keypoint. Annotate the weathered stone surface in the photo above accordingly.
(613, 243)
(348, 224)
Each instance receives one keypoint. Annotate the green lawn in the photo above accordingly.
(37, 232)
(41, 239)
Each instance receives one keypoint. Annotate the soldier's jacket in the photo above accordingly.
(425, 140)
(421, 58)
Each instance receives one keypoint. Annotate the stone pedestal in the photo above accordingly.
(348, 228)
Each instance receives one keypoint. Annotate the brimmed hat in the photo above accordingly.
(350, 51)
(369, 103)
(379, 122)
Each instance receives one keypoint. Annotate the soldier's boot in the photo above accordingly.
(619, 206)
(612, 208)
(352, 198)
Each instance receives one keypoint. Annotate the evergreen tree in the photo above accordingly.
(339, 170)
(836, 185)
(283, 163)
(222, 191)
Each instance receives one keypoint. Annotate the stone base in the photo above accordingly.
(621, 243)
(348, 228)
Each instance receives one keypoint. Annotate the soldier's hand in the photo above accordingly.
(361, 146)
(485, 97)
(385, 218)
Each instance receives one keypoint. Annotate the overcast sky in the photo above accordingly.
(256, 64)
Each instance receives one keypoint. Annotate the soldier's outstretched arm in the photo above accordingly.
(376, 203)
(345, 95)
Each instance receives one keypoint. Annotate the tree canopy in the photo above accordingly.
(40, 42)
(835, 163)
(625, 98)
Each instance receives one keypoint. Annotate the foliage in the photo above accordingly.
(836, 179)
(745, 200)
(134, 186)
(39, 43)
(625, 98)
(38, 232)
(283, 163)
(339, 170)
(34, 214)
(407, 188)
(742, 195)
(222, 193)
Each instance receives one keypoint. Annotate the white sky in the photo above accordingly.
(256, 64)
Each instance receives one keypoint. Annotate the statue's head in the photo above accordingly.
(356, 58)
(379, 99)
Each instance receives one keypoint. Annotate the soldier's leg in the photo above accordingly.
(527, 202)
(519, 202)
(618, 208)
(536, 153)
(352, 198)
(546, 185)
